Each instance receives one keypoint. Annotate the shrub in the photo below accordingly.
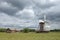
(25, 30)
(32, 30)
(55, 30)
(2, 30)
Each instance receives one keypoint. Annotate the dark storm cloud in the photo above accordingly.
(43, 5)
(40, 7)
(9, 11)
(54, 17)
(19, 4)
(7, 8)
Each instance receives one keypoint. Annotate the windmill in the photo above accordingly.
(43, 24)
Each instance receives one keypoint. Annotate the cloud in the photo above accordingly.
(19, 3)
(7, 8)
(28, 15)
(25, 12)
(8, 21)
(51, 9)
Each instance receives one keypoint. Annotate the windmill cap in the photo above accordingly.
(41, 21)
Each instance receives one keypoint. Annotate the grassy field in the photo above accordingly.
(30, 36)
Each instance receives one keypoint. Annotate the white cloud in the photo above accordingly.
(7, 20)
(29, 15)
(26, 13)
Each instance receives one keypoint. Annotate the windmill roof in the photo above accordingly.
(41, 21)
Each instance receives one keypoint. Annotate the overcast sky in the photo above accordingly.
(27, 13)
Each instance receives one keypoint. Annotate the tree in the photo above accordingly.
(25, 30)
(8, 30)
(2, 30)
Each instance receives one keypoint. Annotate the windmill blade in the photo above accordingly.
(44, 17)
(35, 3)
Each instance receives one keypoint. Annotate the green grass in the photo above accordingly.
(30, 36)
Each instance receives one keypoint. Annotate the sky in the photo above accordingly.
(27, 13)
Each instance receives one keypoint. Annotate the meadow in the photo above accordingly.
(30, 36)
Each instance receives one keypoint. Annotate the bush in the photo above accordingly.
(31, 30)
(55, 30)
(25, 30)
(2, 30)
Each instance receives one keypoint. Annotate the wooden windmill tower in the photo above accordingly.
(43, 25)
